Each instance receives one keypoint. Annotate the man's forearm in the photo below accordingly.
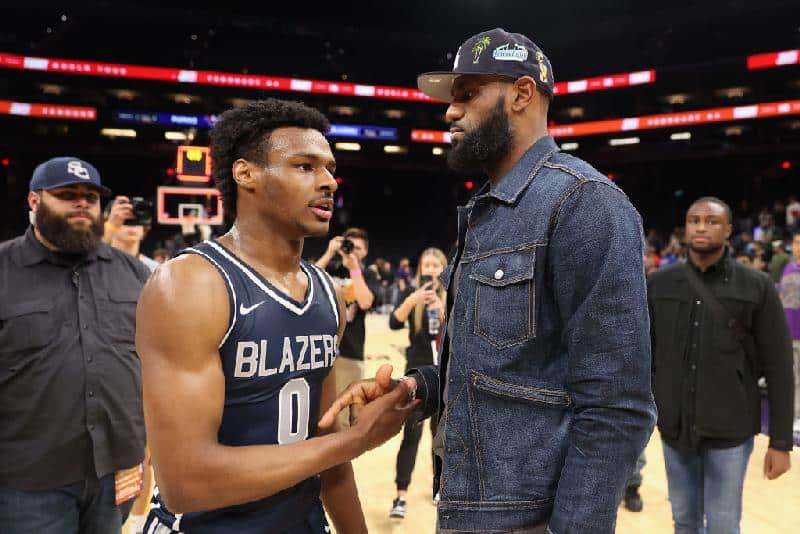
(364, 296)
(780, 394)
(323, 262)
(219, 476)
(604, 445)
(340, 497)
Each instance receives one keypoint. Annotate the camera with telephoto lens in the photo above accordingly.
(142, 212)
(347, 246)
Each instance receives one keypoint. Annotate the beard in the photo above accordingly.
(68, 239)
(490, 141)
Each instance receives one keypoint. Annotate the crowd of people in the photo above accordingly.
(544, 348)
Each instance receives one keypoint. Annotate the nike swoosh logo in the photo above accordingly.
(245, 310)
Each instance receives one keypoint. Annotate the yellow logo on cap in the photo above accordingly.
(479, 46)
(542, 67)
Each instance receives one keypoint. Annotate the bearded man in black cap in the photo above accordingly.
(543, 389)
(72, 432)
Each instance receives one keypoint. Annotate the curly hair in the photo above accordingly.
(244, 132)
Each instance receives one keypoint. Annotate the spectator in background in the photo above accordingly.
(793, 214)
(760, 262)
(715, 327)
(360, 287)
(115, 215)
(779, 215)
(745, 258)
(790, 297)
(191, 233)
(767, 232)
(70, 401)
(403, 274)
(651, 260)
(127, 237)
(743, 242)
(672, 254)
(417, 304)
(387, 286)
(759, 250)
(780, 259)
(654, 240)
(160, 255)
(744, 220)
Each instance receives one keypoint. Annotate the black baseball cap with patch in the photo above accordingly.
(495, 52)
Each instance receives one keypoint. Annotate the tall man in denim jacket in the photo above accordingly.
(544, 392)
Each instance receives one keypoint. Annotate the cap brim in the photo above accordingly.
(106, 192)
(438, 85)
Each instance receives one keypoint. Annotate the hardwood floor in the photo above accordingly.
(770, 507)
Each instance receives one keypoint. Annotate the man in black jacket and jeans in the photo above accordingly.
(716, 326)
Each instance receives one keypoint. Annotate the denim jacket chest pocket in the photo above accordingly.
(505, 296)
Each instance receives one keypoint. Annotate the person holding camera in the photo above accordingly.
(127, 224)
(422, 308)
(71, 396)
(359, 287)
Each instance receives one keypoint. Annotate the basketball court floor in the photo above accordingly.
(770, 507)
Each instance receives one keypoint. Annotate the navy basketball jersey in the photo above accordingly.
(275, 355)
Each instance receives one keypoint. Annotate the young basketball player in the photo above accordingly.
(238, 337)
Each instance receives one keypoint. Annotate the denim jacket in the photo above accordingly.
(546, 394)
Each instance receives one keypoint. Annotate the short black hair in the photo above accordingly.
(719, 202)
(244, 132)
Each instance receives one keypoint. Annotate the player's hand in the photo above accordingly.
(121, 210)
(359, 394)
(776, 463)
(382, 418)
(334, 245)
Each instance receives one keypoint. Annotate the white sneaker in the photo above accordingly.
(398, 508)
(796, 426)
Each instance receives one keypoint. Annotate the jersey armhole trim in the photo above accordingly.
(231, 291)
(330, 289)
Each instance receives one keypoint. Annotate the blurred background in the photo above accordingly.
(358, 63)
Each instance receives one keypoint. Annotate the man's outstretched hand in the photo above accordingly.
(358, 394)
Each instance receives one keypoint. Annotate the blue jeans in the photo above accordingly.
(85, 507)
(705, 488)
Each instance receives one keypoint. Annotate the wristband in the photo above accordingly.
(111, 226)
(355, 273)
